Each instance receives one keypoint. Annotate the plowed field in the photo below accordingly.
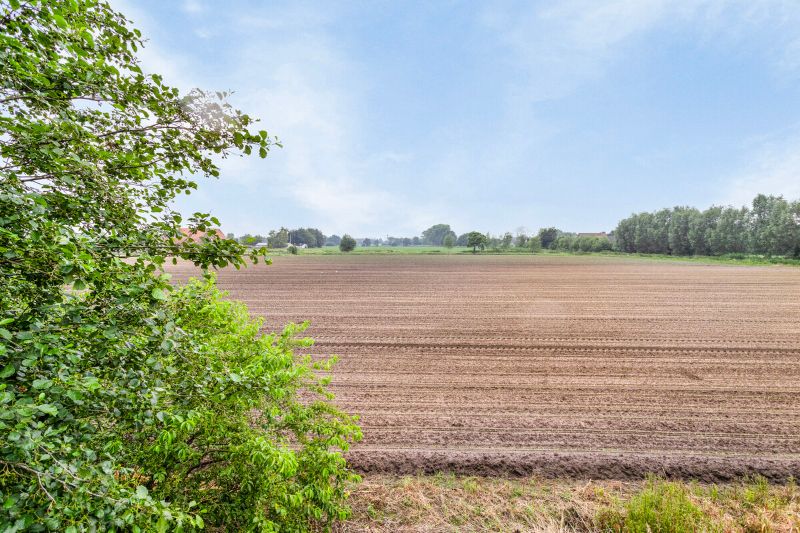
(583, 366)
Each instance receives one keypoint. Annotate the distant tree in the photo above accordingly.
(250, 240)
(230, 237)
(678, 232)
(366, 242)
(462, 239)
(475, 240)
(435, 234)
(565, 242)
(449, 241)
(407, 241)
(347, 243)
(505, 241)
(521, 240)
(333, 240)
(415, 241)
(547, 236)
(771, 226)
(534, 244)
(278, 239)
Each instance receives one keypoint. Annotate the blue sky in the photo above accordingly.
(486, 115)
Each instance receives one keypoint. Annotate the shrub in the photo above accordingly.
(126, 404)
(292, 249)
(347, 244)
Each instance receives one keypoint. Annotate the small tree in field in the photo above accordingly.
(475, 240)
(534, 244)
(347, 244)
(449, 241)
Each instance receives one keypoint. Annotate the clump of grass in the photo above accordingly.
(660, 507)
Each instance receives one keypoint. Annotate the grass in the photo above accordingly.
(444, 502)
(733, 259)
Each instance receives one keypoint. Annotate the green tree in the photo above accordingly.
(435, 234)
(347, 244)
(475, 240)
(548, 236)
(449, 241)
(278, 238)
(534, 244)
(678, 232)
(126, 403)
(506, 240)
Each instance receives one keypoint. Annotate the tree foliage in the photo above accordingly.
(475, 240)
(547, 236)
(311, 237)
(436, 234)
(771, 226)
(124, 403)
(347, 244)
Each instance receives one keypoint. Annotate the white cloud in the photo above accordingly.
(566, 43)
(193, 7)
(775, 169)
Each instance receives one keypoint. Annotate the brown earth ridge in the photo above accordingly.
(590, 367)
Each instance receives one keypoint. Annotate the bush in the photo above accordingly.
(231, 417)
(347, 244)
(292, 249)
(126, 404)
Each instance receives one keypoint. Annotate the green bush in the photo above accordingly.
(126, 404)
(347, 244)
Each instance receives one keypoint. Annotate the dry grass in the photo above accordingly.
(454, 503)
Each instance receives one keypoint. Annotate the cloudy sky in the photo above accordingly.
(489, 115)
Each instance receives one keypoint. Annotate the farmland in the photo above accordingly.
(597, 367)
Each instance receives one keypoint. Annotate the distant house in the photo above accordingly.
(600, 235)
(197, 236)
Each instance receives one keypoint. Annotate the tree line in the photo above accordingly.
(770, 226)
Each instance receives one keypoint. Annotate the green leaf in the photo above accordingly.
(79, 284)
(42, 383)
(7, 371)
(158, 294)
(60, 21)
(142, 492)
(88, 38)
(48, 408)
(5, 334)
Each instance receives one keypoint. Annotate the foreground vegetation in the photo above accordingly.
(456, 503)
(127, 404)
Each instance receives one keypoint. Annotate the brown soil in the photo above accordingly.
(557, 366)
